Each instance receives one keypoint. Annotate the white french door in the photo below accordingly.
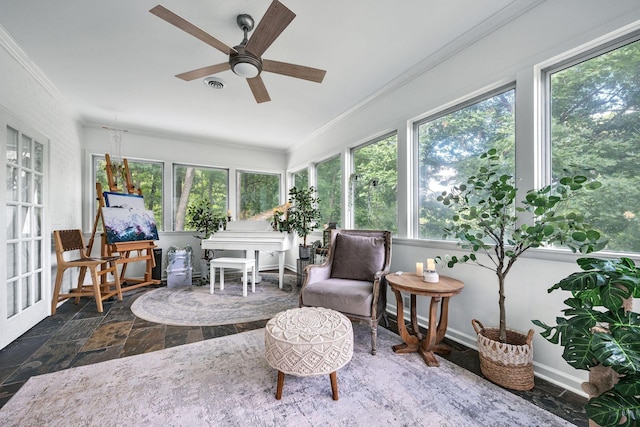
(24, 296)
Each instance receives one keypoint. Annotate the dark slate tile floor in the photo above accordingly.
(78, 335)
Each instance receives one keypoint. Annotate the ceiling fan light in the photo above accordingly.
(246, 70)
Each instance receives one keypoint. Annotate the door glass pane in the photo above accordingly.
(12, 222)
(25, 194)
(12, 260)
(38, 156)
(26, 292)
(12, 146)
(37, 189)
(26, 152)
(12, 184)
(26, 221)
(37, 286)
(12, 303)
(37, 259)
(37, 222)
(26, 256)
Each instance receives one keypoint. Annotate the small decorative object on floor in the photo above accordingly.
(308, 341)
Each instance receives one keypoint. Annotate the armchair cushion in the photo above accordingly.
(346, 296)
(357, 257)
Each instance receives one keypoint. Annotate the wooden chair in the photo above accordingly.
(100, 267)
(352, 279)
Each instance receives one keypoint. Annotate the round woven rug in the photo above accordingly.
(195, 306)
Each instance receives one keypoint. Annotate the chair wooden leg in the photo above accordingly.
(96, 289)
(374, 338)
(334, 384)
(81, 275)
(116, 278)
(56, 290)
(280, 385)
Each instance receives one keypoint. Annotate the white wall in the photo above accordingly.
(30, 103)
(512, 54)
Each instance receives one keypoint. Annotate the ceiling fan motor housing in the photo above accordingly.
(244, 63)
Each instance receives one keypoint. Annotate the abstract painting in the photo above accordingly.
(129, 225)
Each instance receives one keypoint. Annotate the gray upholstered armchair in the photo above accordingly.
(352, 279)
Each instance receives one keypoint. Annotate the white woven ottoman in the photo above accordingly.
(308, 341)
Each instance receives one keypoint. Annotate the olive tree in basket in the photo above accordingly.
(487, 221)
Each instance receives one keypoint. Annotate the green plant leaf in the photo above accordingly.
(613, 409)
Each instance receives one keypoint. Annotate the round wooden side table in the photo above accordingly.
(440, 293)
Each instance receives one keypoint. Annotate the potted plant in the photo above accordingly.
(487, 221)
(601, 334)
(202, 216)
(303, 216)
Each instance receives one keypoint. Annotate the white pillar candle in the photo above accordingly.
(419, 269)
(431, 264)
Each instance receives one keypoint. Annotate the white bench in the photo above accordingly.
(239, 263)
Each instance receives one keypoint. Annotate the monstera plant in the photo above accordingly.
(599, 329)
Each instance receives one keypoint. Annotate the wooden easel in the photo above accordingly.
(139, 251)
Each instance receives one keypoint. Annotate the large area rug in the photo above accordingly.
(227, 382)
(195, 306)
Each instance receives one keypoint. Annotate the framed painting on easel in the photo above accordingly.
(129, 225)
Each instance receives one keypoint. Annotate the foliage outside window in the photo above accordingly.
(373, 185)
(194, 186)
(257, 193)
(449, 147)
(329, 189)
(595, 123)
(145, 175)
(300, 179)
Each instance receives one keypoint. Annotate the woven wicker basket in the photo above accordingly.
(509, 364)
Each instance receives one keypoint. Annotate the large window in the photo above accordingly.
(373, 185)
(300, 179)
(146, 175)
(257, 193)
(448, 149)
(194, 185)
(595, 125)
(329, 189)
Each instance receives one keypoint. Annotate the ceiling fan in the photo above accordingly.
(245, 59)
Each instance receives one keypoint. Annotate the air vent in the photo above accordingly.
(214, 83)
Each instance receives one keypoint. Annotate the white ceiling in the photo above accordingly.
(115, 62)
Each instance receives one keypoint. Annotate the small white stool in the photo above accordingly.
(242, 263)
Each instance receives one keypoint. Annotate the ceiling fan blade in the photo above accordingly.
(274, 21)
(172, 18)
(292, 70)
(204, 71)
(258, 89)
